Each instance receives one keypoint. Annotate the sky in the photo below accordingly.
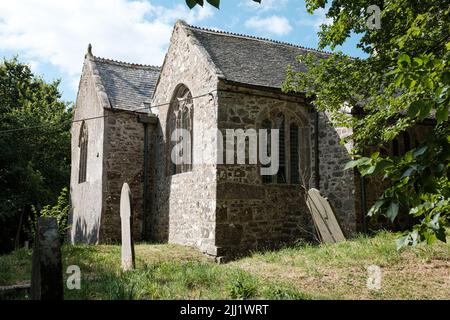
(52, 35)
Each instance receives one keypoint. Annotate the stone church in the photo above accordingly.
(210, 80)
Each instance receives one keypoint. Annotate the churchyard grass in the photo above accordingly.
(305, 271)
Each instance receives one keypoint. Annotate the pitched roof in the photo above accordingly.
(250, 60)
(127, 85)
(239, 58)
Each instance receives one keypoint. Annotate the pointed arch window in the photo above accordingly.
(83, 145)
(294, 153)
(289, 148)
(180, 116)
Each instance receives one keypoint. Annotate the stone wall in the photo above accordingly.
(124, 162)
(336, 184)
(185, 205)
(86, 198)
(250, 214)
(222, 209)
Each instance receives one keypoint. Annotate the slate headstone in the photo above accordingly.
(324, 217)
(47, 276)
(126, 216)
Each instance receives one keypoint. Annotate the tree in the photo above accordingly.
(34, 163)
(404, 80)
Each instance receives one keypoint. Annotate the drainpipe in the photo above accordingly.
(316, 150)
(146, 120)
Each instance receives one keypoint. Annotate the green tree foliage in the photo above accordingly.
(34, 163)
(404, 81)
(60, 211)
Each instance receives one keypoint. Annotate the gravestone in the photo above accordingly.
(324, 217)
(126, 217)
(47, 276)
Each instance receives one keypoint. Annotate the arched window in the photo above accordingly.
(83, 145)
(281, 125)
(180, 116)
(289, 148)
(267, 125)
(294, 153)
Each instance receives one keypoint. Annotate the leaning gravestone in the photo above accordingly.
(126, 216)
(324, 217)
(46, 276)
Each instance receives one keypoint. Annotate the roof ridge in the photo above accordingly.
(233, 34)
(125, 64)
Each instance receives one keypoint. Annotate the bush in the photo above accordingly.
(60, 211)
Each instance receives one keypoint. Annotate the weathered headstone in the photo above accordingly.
(324, 217)
(126, 216)
(47, 276)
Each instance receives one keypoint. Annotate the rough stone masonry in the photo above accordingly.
(222, 209)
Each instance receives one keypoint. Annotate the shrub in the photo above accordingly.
(60, 211)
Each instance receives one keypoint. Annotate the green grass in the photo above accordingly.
(337, 271)
(15, 268)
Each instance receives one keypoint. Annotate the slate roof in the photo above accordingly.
(239, 58)
(127, 85)
(250, 60)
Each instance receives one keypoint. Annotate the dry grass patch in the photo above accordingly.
(339, 271)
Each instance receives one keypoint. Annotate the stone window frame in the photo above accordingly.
(83, 142)
(180, 115)
(291, 119)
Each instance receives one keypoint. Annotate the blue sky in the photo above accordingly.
(52, 35)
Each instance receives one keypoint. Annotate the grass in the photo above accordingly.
(337, 271)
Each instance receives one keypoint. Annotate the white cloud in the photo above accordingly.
(265, 5)
(57, 32)
(181, 11)
(275, 24)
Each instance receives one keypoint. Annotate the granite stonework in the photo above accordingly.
(115, 150)
(87, 197)
(224, 210)
(255, 215)
(251, 214)
(336, 184)
(184, 209)
(124, 163)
